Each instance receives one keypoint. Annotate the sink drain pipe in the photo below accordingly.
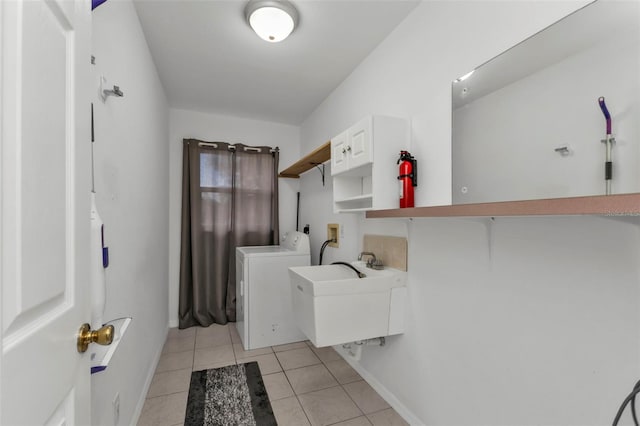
(354, 349)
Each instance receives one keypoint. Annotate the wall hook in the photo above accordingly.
(109, 92)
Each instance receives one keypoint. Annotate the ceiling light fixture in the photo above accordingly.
(272, 20)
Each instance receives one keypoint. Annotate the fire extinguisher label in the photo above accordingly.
(401, 189)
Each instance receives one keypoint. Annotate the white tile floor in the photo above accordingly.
(306, 385)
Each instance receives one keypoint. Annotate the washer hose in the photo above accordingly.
(324, 246)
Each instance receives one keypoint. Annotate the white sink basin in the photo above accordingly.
(331, 305)
(340, 279)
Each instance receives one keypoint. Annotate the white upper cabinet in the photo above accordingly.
(359, 183)
(352, 148)
(359, 143)
(339, 153)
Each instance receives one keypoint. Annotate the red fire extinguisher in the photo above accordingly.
(408, 178)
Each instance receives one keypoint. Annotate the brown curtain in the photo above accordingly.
(229, 200)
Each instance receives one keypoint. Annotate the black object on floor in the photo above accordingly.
(233, 395)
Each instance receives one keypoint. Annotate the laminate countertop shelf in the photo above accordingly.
(316, 157)
(598, 205)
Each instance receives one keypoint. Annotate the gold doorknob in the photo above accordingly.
(102, 336)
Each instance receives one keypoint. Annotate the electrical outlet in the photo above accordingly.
(116, 408)
(333, 234)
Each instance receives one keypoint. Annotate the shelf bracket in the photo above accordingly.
(321, 170)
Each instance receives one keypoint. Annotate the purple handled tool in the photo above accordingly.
(608, 141)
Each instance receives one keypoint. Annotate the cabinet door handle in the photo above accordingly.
(348, 148)
(344, 151)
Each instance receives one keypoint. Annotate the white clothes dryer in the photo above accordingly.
(264, 314)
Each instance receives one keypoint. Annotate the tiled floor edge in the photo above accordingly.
(386, 394)
(147, 383)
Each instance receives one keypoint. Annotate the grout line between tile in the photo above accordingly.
(349, 395)
(193, 355)
(317, 390)
(351, 418)
(296, 395)
(302, 406)
(289, 381)
(332, 375)
(304, 366)
(277, 360)
(353, 400)
(166, 394)
(384, 409)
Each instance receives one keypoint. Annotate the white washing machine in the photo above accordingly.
(264, 315)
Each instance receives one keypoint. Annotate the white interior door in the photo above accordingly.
(44, 210)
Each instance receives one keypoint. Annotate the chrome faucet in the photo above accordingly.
(367, 253)
(372, 262)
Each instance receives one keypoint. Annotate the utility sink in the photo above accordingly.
(331, 305)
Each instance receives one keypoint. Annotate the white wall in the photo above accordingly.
(131, 179)
(513, 321)
(211, 127)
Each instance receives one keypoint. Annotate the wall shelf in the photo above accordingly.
(598, 205)
(357, 203)
(309, 161)
(355, 198)
(355, 210)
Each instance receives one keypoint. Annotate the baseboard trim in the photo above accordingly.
(385, 393)
(152, 369)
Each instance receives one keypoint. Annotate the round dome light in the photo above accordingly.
(273, 21)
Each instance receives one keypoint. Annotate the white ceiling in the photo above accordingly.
(210, 60)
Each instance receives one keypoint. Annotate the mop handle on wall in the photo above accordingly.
(608, 165)
(605, 111)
